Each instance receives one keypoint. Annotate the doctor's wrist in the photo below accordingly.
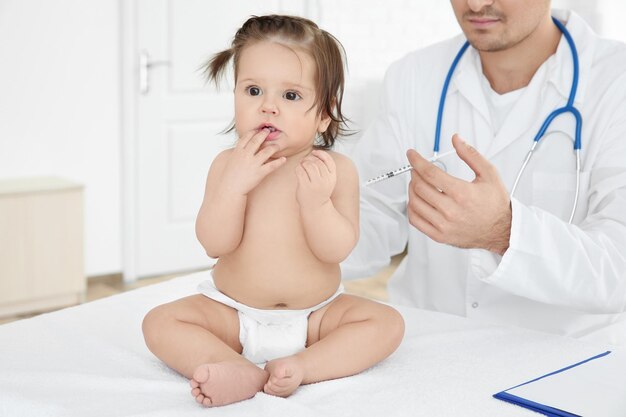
(500, 234)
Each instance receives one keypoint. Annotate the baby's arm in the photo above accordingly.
(233, 174)
(328, 194)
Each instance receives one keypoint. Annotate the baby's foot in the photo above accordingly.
(286, 375)
(226, 382)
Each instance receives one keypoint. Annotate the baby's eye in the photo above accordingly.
(292, 95)
(253, 91)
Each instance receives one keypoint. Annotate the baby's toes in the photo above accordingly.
(201, 399)
(201, 374)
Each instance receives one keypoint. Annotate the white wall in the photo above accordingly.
(59, 107)
(375, 34)
(60, 86)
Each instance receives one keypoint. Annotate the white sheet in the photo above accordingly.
(91, 360)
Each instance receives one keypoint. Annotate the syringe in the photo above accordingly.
(404, 169)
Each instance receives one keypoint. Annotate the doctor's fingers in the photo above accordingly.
(474, 159)
(420, 211)
(434, 175)
(444, 204)
(426, 190)
(417, 213)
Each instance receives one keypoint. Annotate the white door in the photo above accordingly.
(173, 121)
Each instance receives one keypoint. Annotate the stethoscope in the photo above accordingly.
(568, 108)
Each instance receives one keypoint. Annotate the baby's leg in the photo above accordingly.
(199, 338)
(344, 338)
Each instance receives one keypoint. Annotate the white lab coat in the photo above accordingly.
(555, 277)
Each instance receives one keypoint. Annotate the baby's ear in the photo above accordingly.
(325, 119)
(324, 123)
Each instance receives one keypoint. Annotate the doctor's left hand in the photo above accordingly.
(465, 214)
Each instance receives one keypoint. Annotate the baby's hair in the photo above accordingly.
(324, 48)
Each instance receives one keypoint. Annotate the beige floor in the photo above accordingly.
(99, 287)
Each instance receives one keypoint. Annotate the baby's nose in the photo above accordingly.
(269, 107)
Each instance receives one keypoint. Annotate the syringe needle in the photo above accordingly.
(404, 169)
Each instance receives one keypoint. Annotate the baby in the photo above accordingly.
(280, 211)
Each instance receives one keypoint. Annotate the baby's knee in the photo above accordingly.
(393, 323)
(153, 323)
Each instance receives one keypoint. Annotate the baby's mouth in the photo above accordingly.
(269, 127)
(273, 131)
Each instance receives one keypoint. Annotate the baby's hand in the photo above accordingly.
(317, 177)
(248, 164)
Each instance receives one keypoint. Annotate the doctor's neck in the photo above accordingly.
(513, 66)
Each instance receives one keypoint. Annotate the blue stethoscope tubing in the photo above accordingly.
(568, 108)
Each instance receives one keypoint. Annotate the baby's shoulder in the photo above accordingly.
(342, 161)
(221, 157)
(223, 154)
(340, 158)
(346, 170)
(219, 162)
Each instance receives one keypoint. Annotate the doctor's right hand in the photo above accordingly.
(249, 163)
(464, 214)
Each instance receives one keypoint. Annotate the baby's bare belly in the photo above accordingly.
(270, 283)
(274, 267)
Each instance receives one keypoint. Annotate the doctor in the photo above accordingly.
(473, 249)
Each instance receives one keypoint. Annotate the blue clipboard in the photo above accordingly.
(542, 408)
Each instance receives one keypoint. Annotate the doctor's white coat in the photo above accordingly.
(557, 277)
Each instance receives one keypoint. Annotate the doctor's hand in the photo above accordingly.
(465, 214)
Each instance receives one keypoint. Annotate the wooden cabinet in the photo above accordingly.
(41, 244)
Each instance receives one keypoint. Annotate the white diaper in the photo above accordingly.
(267, 334)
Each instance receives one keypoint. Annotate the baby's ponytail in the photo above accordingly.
(215, 67)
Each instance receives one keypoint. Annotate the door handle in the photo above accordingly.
(146, 64)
